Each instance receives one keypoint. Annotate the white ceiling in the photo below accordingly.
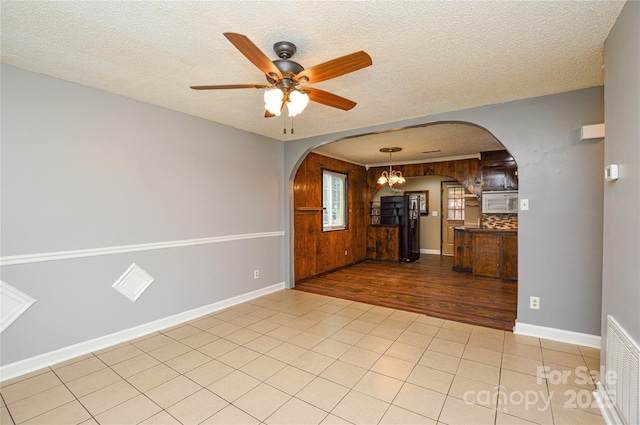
(419, 144)
(428, 56)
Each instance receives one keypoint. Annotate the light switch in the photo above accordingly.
(434, 213)
(524, 204)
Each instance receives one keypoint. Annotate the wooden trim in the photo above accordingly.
(308, 210)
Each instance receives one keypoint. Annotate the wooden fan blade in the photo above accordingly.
(253, 53)
(329, 99)
(231, 86)
(335, 68)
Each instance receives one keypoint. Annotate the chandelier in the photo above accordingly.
(275, 98)
(392, 176)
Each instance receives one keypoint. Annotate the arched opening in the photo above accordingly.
(440, 152)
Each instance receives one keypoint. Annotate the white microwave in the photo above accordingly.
(505, 202)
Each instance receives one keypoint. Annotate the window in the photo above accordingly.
(455, 205)
(334, 201)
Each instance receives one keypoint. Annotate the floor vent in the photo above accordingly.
(622, 378)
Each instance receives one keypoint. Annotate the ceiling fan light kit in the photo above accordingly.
(392, 176)
(297, 102)
(287, 78)
(273, 100)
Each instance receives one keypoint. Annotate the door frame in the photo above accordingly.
(444, 212)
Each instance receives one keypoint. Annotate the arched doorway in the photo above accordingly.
(316, 251)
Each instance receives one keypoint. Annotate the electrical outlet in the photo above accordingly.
(345, 252)
(256, 274)
(534, 303)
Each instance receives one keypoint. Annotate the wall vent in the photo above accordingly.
(622, 378)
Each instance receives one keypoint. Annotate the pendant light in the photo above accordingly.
(392, 176)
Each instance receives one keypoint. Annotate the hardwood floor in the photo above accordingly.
(426, 286)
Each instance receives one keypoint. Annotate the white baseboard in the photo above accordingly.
(63, 354)
(554, 334)
(430, 251)
(609, 413)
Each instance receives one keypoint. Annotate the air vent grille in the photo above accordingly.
(622, 372)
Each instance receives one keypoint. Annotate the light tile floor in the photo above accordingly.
(298, 358)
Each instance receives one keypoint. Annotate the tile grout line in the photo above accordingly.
(72, 393)
(300, 313)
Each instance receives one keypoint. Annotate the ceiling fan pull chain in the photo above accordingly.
(291, 125)
(284, 124)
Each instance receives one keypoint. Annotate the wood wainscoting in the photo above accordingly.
(428, 286)
(465, 171)
(315, 251)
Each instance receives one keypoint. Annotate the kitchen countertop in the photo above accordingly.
(478, 230)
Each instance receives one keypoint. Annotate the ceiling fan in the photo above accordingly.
(287, 79)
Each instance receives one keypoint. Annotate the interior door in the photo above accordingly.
(452, 213)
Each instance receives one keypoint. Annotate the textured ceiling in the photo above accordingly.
(428, 56)
(419, 144)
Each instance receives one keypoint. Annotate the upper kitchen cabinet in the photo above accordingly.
(499, 171)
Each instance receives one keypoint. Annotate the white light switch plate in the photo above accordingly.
(434, 213)
(524, 204)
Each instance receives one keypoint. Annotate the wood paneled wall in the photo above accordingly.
(466, 171)
(316, 251)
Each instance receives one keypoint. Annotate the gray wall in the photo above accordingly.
(560, 237)
(621, 261)
(86, 169)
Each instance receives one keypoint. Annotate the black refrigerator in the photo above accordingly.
(404, 211)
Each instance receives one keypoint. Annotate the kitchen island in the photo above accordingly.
(486, 252)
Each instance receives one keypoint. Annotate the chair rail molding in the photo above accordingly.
(11, 260)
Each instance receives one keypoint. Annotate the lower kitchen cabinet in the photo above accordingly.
(510, 257)
(462, 259)
(489, 253)
(383, 243)
(495, 254)
(486, 254)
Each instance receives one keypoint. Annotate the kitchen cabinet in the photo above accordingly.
(499, 171)
(403, 214)
(462, 261)
(495, 254)
(488, 253)
(383, 243)
(510, 257)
